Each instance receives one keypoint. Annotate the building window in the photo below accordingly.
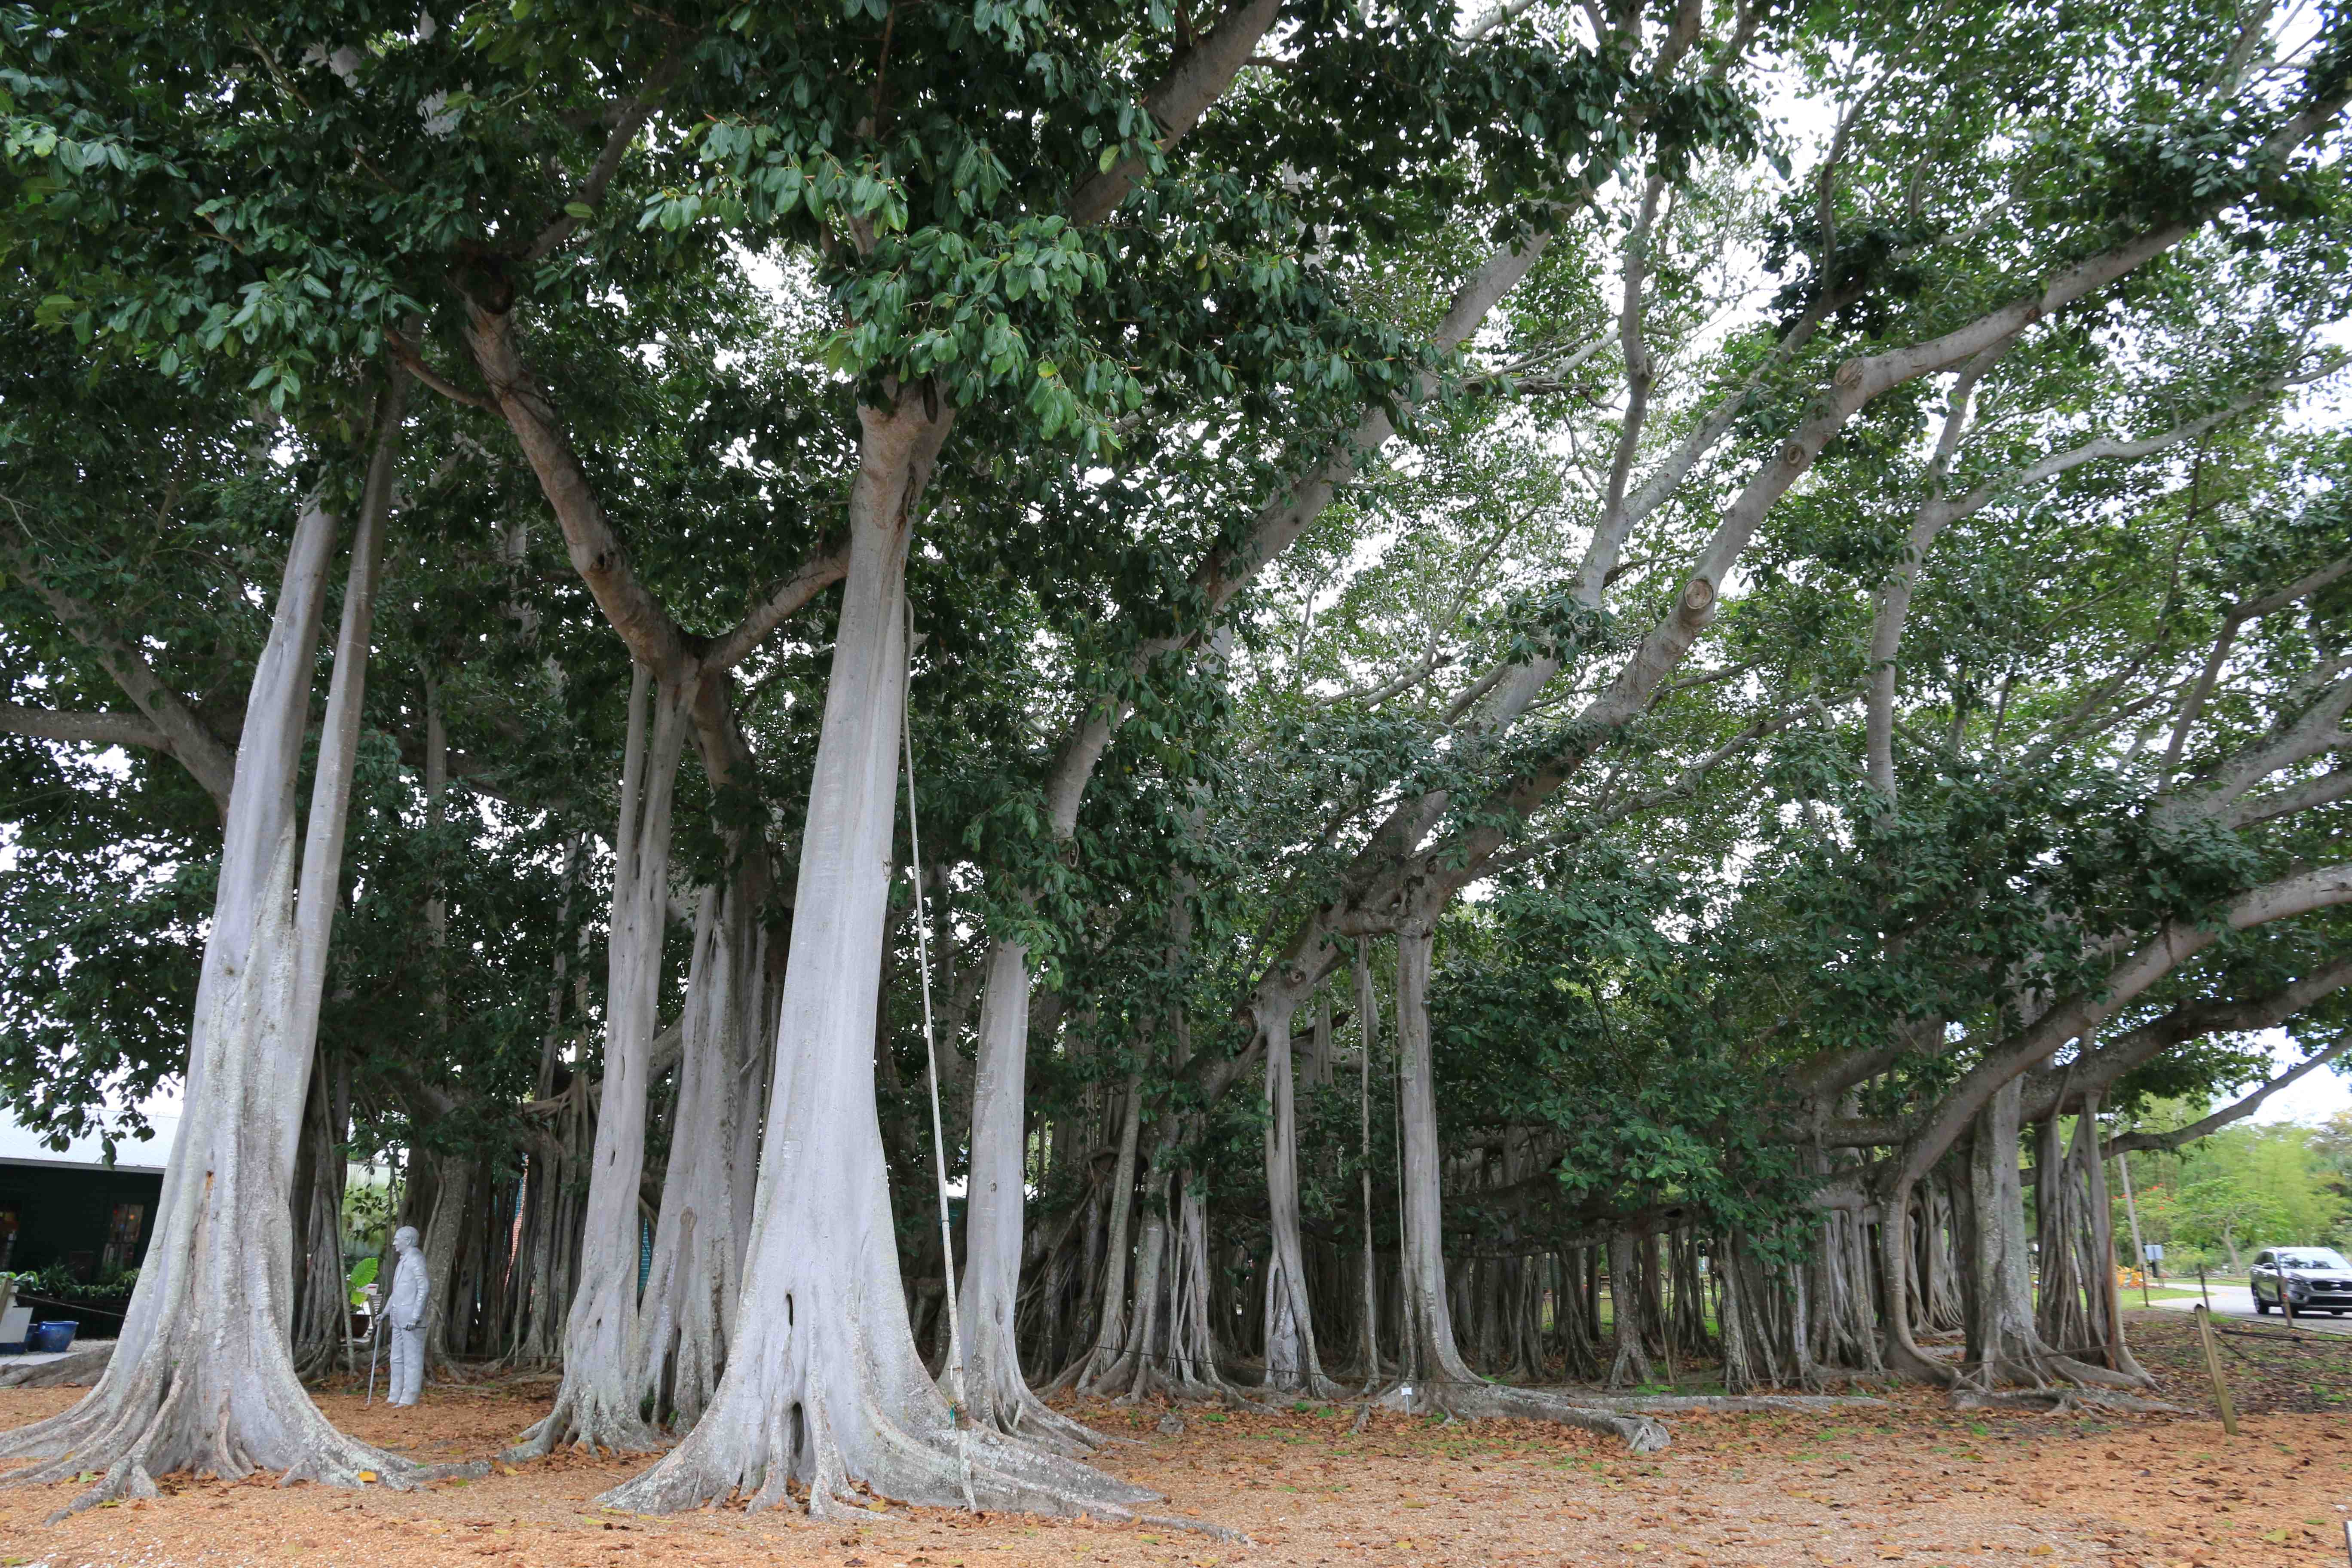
(122, 1238)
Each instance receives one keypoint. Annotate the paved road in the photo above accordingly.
(2237, 1301)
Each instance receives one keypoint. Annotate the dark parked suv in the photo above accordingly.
(2314, 1279)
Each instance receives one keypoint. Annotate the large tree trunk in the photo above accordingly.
(998, 1395)
(1628, 1362)
(696, 1274)
(1368, 1340)
(1110, 1319)
(203, 1377)
(823, 1382)
(1434, 1374)
(1291, 1361)
(321, 1292)
(596, 1407)
(444, 1228)
(2002, 1344)
(2005, 1344)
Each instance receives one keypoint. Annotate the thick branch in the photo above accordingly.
(627, 124)
(184, 735)
(812, 577)
(2164, 1142)
(2075, 1018)
(82, 728)
(653, 638)
(1895, 599)
(2324, 790)
(1197, 80)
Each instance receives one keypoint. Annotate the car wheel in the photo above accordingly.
(2262, 1308)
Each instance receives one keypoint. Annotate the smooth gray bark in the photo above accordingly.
(1434, 1375)
(689, 1306)
(203, 1378)
(597, 1404)
(1291, 1361)
(825, 1384)
(1368, 1346)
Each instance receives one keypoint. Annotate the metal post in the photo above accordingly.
(2213, 1369)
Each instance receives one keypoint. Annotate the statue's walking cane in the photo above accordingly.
(375, 1340)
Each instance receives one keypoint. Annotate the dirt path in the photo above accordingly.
(1912, 1482)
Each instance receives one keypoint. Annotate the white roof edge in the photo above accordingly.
(84, 1165)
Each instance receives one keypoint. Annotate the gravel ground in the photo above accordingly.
(1910, 1481)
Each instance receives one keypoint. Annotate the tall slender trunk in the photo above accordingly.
(203, 1377)
(1368, 1345)
(1111, 1328)
(696, 1276)
(597, 1406)
(1428, 1350)
(1291, 1361)
(825, 1383)
(999, 1395)
(1128, 1374)
(1432, 1374)
(322, 1293)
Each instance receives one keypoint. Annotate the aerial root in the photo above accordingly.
(1638, 1432)
(2062, 1401)
(1686, 1404)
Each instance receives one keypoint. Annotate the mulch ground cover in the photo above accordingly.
(1908, 1481)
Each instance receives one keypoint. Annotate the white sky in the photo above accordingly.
(2314, 1097)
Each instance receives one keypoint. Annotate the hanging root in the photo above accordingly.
(78, 1370)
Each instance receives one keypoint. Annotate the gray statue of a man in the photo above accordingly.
(404, 1314)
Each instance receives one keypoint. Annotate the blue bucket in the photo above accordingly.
(50, 1338)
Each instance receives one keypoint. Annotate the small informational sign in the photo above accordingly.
(2154, 1251)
